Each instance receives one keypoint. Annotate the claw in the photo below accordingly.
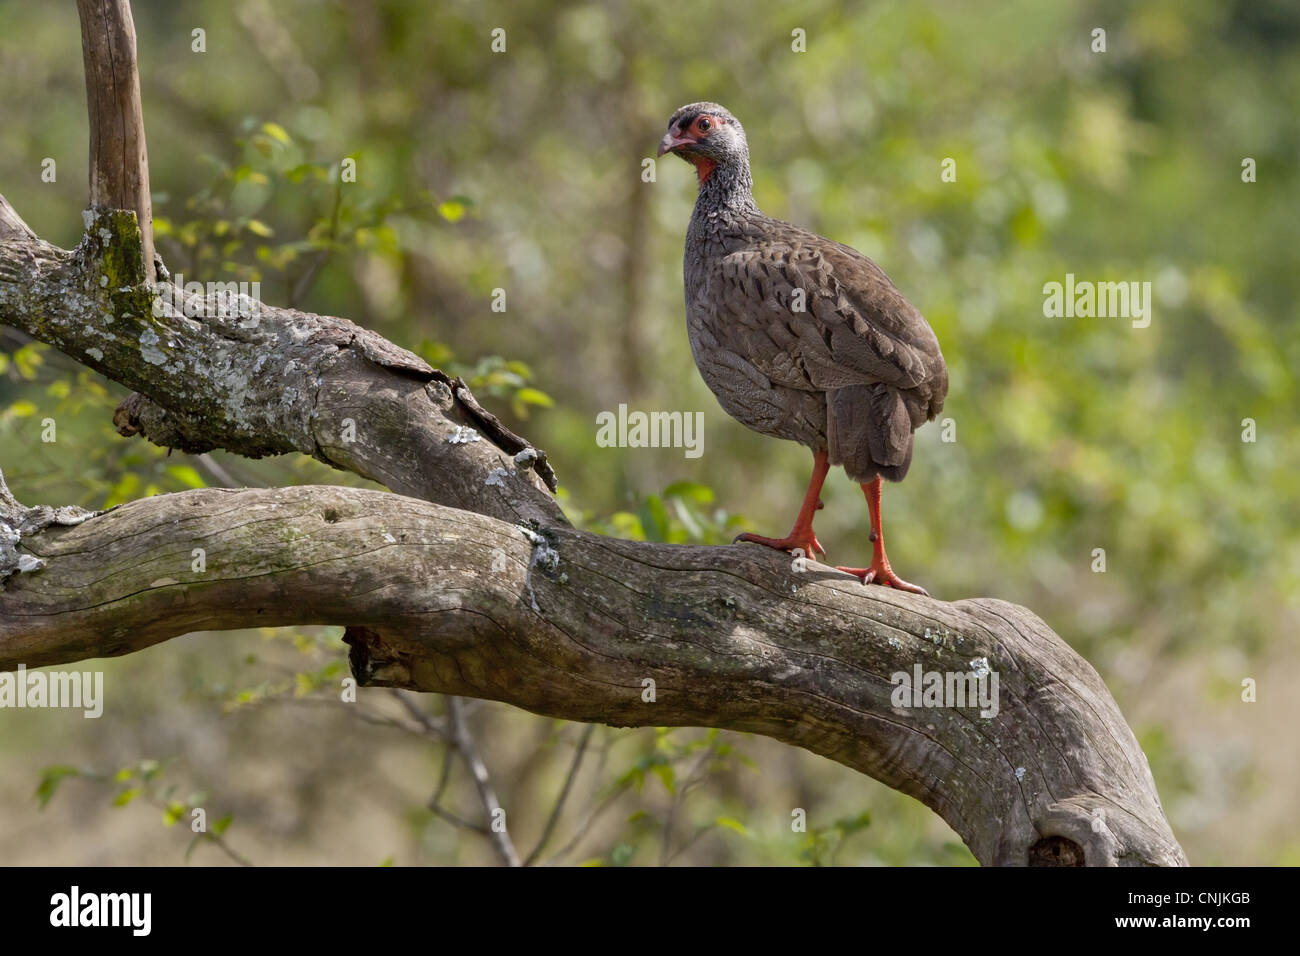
(805, 540)
(884, 575)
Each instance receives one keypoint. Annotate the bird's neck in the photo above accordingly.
(727, 188)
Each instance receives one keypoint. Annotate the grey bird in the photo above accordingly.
(800, 337)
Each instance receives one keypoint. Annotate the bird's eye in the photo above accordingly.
(704, 124)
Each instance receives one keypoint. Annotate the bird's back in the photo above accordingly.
(807, 339)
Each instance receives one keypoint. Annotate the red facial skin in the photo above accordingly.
(696, 133)
(703, 167)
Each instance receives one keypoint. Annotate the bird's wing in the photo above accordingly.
(814, 314)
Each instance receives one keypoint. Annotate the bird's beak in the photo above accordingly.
(671, 142)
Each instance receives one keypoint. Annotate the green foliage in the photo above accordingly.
(491, 377)
(142, 782)
(822, 844)
(680, 514)
(325, 666)
(51, 777)
(522, 172)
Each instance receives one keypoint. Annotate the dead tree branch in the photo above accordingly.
(573, 625)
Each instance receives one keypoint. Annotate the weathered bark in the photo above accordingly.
(572, 625)
(119, 162)
(258, 381)
(11, 224)
(482, 588)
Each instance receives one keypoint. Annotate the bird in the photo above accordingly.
(799, 337)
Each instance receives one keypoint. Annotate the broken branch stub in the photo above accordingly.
(119, 162)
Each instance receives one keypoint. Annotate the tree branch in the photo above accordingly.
(465, 746)
(557, 809)
(571, 625)
(11, 224)
(234, 373)
(119, 162)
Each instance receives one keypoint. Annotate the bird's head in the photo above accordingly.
(707, 136)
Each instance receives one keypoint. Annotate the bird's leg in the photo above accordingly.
(880, 572)
(801, 535)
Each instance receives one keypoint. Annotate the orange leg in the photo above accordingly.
(880, 572)
(801, 535)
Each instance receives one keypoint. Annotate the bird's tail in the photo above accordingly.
(869, 432)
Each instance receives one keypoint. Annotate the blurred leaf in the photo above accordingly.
(667, 776)
(187, 476)
(51, 777)
(732, 824)
(277, 132)
(691, 490)
(451, 210)
(531, 396)
(622, 854)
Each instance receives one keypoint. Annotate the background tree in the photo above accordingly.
(515, 171)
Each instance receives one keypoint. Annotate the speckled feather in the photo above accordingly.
(855, 372)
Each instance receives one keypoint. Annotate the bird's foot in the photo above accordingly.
(802, 539)
(884, 574)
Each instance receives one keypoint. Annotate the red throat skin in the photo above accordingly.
(704, 168)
